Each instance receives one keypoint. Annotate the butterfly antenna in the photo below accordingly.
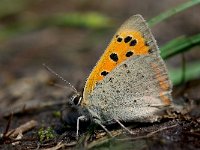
(61, 78)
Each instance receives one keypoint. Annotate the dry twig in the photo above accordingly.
(61, 145)
(21, 129)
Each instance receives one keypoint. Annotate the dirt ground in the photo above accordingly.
(30, 106)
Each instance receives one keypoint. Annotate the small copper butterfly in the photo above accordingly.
(129, 83)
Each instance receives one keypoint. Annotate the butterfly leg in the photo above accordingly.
(77, 125)
(99, 123)
(129, 131)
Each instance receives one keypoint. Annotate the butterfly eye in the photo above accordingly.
(76, 99)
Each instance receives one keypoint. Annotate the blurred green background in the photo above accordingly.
(71, 35)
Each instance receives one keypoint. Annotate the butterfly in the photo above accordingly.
(130, 82)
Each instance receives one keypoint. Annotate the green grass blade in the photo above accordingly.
(192, 71)
(179, 45)
(172, 12)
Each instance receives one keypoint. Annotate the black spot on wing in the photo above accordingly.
(119, 39)
(114, 57)
(127, 39)
(150, 51)
(125, 65)
(133, 42)
(129, 54)
(104, 73)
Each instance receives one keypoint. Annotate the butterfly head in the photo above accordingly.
(73, 110)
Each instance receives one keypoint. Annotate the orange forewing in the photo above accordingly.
(120, 49)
